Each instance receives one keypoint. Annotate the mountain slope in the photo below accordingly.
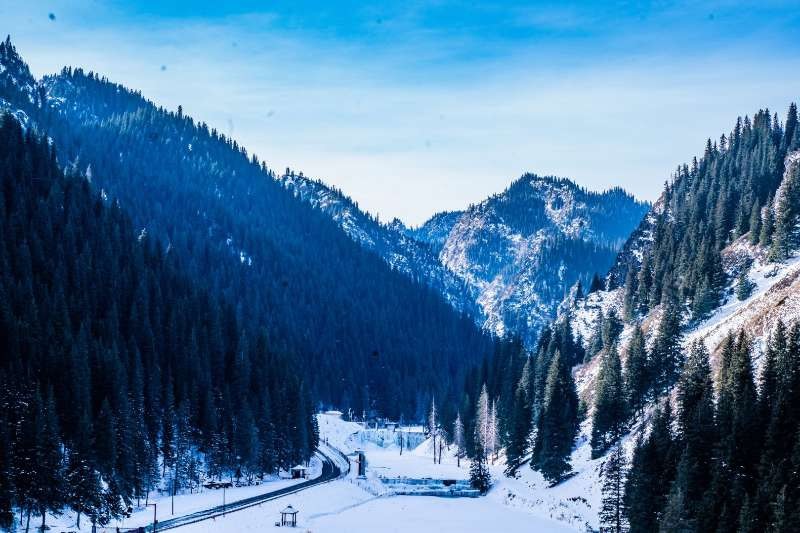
(716, 262)
(369, 337)
(521, 250)
(508, 261)
(391, 242)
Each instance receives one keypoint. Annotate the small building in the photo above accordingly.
(334, 414)
(299, 472)
(289, 517)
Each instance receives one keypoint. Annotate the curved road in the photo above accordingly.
(330, 472)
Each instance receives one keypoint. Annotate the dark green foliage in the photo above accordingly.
(787, 214)
(479, 476)
(372, 336)
(739, 455)
(744, 286)
(610, 404)
(521, 425)
(612, 476)
(638, 382)
(667, 354)
(557, 422)
(115, 354)
(652, 468)
(597, 284)
(729, 191)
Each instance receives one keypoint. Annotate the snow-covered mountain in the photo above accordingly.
(507, 261)
(391, 241)
(522, 249)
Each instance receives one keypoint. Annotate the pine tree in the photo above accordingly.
(610, 406)
(637, 372)
(49, 490)
(83, 484)
(695, 394)
(479, 476)
(482, 419)
(597, 284)
(557, 424)
(667, 354)
(458, 439)
(493, 440)
(612, 475)
(744, 286)
(767, 223)
(521, 424)
(736, 455)
(433, 427)
(6, 464)
(652, 469)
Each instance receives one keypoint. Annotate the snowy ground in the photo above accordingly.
(184, 504)
(355, 506)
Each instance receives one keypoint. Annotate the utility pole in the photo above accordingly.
(155, 520)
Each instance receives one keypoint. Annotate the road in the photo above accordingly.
(330, 472)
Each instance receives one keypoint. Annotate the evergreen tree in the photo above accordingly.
(6, 464)
(557, 424)
(479, 476)
(610, 406)
(652, 469)
(522, 421)
(667, 354)
(612, 475)
(458, 439)
(637, 372)
(82, 482)
(597, 284)
(744, 286)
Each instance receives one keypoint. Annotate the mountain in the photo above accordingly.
(507, 261)
(522, 249)
(403, 252)
(701, 311)
(366, 336)
(117, 370)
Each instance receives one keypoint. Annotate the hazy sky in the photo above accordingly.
(417, 107)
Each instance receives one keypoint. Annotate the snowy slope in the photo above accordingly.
(513, 248)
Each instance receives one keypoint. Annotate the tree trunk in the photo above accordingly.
(78, 521)
(44, 516)
(28, 521)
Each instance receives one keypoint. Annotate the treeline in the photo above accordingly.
(117, 371)
(731, 191)
(368, 337)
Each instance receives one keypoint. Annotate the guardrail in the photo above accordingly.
(333, 473)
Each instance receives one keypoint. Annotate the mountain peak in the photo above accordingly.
(15, 76)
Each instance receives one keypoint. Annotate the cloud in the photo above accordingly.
(431, 118)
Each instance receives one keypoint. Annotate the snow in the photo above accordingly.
(345, 506)
(188, 502)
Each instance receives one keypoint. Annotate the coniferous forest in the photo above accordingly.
(376, 340)
(117, 369)
(720, 451)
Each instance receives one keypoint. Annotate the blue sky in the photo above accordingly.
(416, 107)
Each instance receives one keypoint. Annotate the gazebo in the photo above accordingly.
(289, 517)
(299, 472)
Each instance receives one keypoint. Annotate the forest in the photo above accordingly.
(117, 371)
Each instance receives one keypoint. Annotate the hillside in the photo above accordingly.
(370, 337)
(523, 249)
(705, 295)
(508, 261)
